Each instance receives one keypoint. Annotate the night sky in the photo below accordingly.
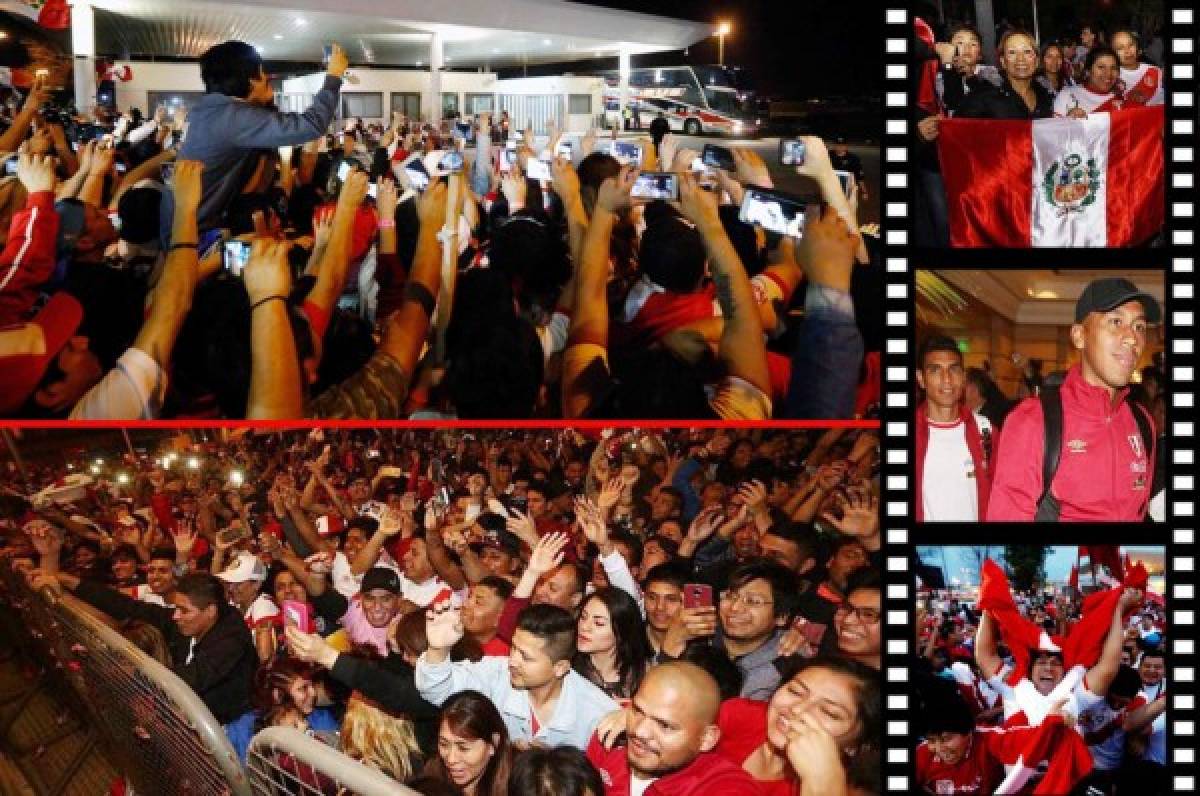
(790, 50)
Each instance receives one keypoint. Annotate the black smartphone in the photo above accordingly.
(10, 166)
(719, 157)
(774, 211)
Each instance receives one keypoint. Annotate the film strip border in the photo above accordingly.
(1179, 37)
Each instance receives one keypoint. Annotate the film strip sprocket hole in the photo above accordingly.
(1180, 67)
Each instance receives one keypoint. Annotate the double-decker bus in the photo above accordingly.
(693, 99)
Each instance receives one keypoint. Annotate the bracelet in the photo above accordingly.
(261, 302)
(175, 246)
(387, 223)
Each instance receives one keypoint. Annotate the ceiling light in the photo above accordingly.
(301, 21)
(418, 63)
(277, 37)
(546, 41)
(448, 59)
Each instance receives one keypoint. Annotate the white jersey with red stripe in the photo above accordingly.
(1025, 705)
(1143, 85)
(263, 611)
(142, 593)
(1086, 100)
(1156, 743)
(1102, 729)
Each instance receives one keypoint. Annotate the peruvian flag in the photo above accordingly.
(1094, 182)
(1053, 747)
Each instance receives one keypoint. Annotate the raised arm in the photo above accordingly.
(1101, 675)
(275, 387)
(986, 655)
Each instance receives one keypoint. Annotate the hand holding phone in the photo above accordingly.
(298, 614)
(718, 157)
(662, 185)
(792, 152)
(697, 595)
(235, 257)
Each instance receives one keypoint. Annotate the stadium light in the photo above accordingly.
(723, 30)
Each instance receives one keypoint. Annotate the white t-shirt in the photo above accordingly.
(422, 593)
(142, 593)
(133, 390)
(346, 582)
(1085, 99)
(1147, 80)
(1109, 753)
(1156, 745)
(637, 785)
(948, 486)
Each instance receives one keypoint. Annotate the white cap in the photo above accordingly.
(245, 567)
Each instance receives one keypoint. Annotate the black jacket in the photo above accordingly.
(222, 666)
(987, 101)
(391, 682)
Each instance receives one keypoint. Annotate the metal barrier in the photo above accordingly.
(283, 760)
(153, 727)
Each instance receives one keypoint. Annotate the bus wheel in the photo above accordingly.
(692, 127)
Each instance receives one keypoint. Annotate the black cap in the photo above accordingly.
(381, 578)
(503, 540)
(1102, 295)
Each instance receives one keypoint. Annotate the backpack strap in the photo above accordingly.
(1052, 431)
(1144, 428)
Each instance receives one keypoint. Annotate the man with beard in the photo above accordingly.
(953, 443)
(671, 730)
(1105, 445)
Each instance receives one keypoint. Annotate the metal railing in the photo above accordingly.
(283, 760)
(153, 727)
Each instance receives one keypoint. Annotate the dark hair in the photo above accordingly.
(633, 649)
(863, 765)
(672, 251)
(652, 383)
(272, 680)
(1095, 54)
(964, 29)
(671, 572)
(949, 712)
(203, 589)
(470, 714)
(632, 543)
(937, 342)
(532, 257)
(161, 553)
(720, 667)
(554, 625)
(1127, 682)
(784, 591)
(801, 536)
(228, 68)
(503, 588)
(1153, 652)
(868, 579)
(560, 771)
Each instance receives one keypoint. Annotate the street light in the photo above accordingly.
(723, 30)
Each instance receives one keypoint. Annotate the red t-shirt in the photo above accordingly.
(496, 647)
(743, 724)
(977, 773)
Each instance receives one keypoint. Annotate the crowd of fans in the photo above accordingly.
(493, 612)
(981, 705)
(366, 291)
(1086, 71)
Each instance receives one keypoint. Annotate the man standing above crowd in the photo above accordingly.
(1096, 447)
(235, 120)
(954, 444)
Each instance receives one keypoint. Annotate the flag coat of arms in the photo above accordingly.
(1094, 182)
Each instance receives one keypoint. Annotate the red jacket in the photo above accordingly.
(983, 465)
(1104, 472)
(708, 774)
(28, 259)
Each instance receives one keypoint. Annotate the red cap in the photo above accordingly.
(20, 374)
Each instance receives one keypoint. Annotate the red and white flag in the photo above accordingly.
(1094, 182)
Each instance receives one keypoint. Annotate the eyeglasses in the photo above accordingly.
(868, 616)
(750, 601)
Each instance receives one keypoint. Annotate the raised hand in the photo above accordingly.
(36, 172)
(751, 170)
(814, 754)
(521, 525)
(548, 552)
(310, 647)
(514, 188)
(431, 206)
(614, 194)
(187, 185)
(354, 190)
(267, 272)
(754, 495)
(704, 525)
(443, 625)
(698, 205)
(860, 516)
(184, 536)
(591, 522)
(610, 493)
(566, 180)
(338, 63)
(386, 195)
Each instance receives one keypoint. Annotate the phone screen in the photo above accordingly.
(626, 152)
(237, 254)
(719, 157)
(451, 163)
(773, 211)
(417, 174)
(120, 167)
(563, 149)
(697, 595)
(538, 169)
(791, 153)
(10, 166)
(656, 185)
(508, 157)
(344, 171)
(847, 181)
